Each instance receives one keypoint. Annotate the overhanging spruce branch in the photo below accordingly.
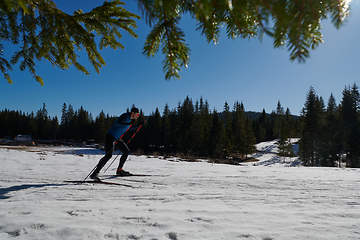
(292, 23)
(45, 32)
(147, 9)
(170, 37)
(52, 35)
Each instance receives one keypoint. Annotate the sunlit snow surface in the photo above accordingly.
(265, 200)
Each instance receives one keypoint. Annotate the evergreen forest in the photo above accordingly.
(329, 133)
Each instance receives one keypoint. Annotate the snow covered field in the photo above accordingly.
(199, 200)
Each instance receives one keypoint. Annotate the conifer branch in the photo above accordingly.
(44, 32)
(50, 34)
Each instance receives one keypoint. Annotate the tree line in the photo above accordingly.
(190, 129)
(39, 125)
(329, 134)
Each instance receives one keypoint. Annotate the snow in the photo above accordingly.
(267, 155)
(264, 200)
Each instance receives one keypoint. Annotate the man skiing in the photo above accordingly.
(113, 141)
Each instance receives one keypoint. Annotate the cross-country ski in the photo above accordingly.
(136, 175)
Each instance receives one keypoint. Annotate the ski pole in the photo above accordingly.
(127, 143)
(90, 173)
(124, 133)
(136, 132)
(107, 153)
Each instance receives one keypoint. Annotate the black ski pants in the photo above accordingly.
(110, 146)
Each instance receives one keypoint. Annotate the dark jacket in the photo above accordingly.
(121, 125)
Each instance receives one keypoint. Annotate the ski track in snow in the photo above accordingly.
(199, 200)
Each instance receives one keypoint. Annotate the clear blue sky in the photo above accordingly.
(251, 72)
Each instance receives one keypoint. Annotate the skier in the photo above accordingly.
(113, 141)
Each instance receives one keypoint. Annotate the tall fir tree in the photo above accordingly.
(63, 122)
(331, 144)
(197, 130)
(250, 138)
(227, 118)
(176, 130)
(279, 120)
(100, 127)
(261, 127)
(204, 116)
(155, 130)
(83, 124)
(166, 129)
(311, 115)
(186, 115)
(239, 128)
(349, 125)
(217, 136)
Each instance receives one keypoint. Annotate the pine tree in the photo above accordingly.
(272, 120)
(32, 124)
(206, 123)
(71, 121)
(239, 128)
(250, 139)
(42, 124)
(166, 129)
(227, 118)
(312, 115)
(284, 143)
(331, 142)
(288, 124)
(217, 134)
(280, 130)
(100, 127)
(349, 125)
(289, 132)
(54, 128)
(83, 124)
(176, 130)
(259, 127)
(63, 121)
(186, 114)
(197, 130)
(155, 130)
(279, 120)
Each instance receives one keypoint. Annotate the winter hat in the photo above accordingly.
(135, 110)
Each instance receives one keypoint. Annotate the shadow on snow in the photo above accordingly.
(4, 191)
